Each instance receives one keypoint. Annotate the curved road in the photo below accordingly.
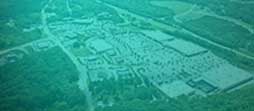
(83, 78)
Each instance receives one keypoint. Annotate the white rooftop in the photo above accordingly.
(227, 76)
(158, 35)
(176, 88)
(99, 45)
(185, 47)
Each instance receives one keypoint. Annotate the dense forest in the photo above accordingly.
(241, 100)
(15, 18)
(26, 14)
(38, 83)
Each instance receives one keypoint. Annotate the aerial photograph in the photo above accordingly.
(126, 55)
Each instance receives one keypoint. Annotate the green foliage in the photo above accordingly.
(223, 32)
(23, 11)
(19, 14)
(82, 9)
(241, 100)
(38, 82)
(142, 7)
(14, 36)
(227, 8)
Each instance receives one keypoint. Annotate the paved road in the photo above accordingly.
(21, 47)
(83, 78)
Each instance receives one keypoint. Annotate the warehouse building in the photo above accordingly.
(227, 77)
(177, 88)
(185, 48)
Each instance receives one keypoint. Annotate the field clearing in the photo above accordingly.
(177, 6)
(223, 32)
(190, 16)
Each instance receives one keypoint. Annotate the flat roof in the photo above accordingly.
(99, 45)
(227, 77)
(157, 35)
(176, 88)
(185, 47)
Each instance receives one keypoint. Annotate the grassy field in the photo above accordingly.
(177, 6)
(223, 32)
